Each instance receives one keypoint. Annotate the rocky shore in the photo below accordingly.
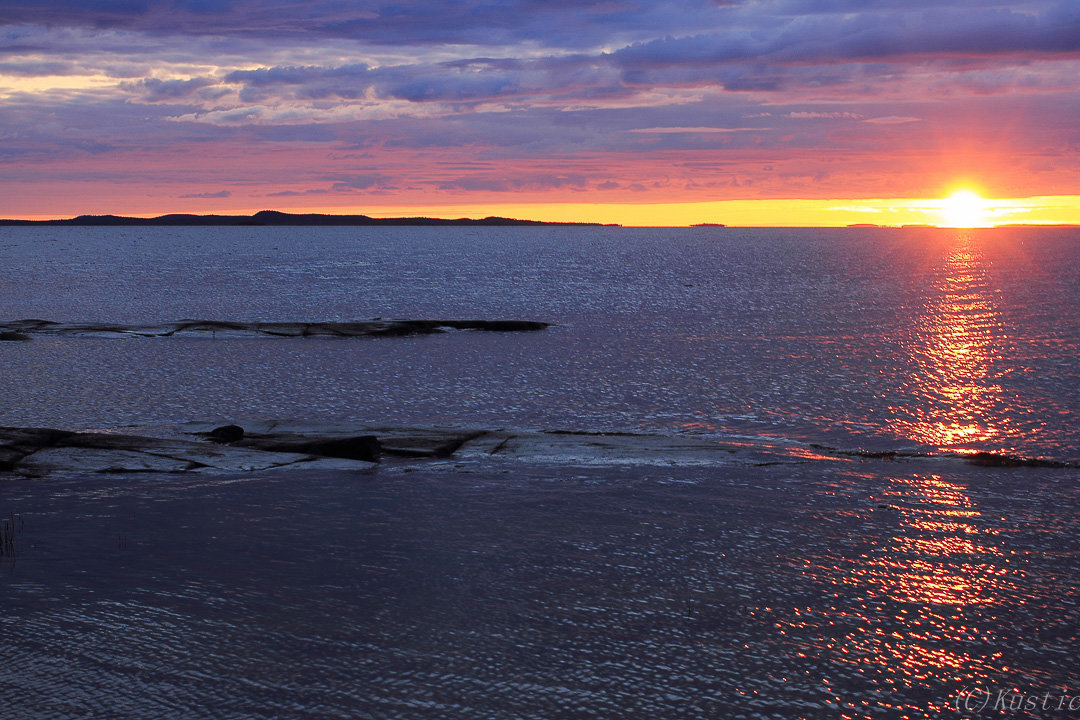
(21, 330)
(202, 447)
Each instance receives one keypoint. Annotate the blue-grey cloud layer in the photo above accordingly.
(740, 83)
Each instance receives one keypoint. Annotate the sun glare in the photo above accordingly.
(964, 209)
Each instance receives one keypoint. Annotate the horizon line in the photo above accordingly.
(362, 220)
(1035, 211)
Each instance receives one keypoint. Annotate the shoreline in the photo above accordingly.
(212, 448)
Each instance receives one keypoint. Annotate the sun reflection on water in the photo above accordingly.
(914, 613)
(956, 340)
(938, 555)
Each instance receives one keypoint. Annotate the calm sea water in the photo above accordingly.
(821, 586)
(889, 339)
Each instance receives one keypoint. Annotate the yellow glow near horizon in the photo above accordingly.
(965, 209)
(890, 212)
(887, 212)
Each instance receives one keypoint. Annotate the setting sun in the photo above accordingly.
(964, 209)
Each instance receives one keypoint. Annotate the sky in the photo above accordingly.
(646, 112)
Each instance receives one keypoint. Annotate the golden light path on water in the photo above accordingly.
(913, 612)
(956, 339)
(944, 572)
(917, 606)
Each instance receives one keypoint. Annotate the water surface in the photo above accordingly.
(817, 585)
(881, 338)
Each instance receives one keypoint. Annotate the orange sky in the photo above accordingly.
(765, 113)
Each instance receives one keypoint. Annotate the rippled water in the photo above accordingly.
(517, 591)
(882, 338)
(820, 586)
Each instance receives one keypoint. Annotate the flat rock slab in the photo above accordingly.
(37, 452)
(554, 446)
(192, 448)
(21, 330)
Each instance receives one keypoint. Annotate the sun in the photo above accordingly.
(964, 209)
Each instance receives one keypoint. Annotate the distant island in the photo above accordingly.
(273, 217)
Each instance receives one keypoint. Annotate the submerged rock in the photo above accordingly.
(12, 336)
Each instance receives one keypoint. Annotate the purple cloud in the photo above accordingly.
(477, 96)
(207, 195)
(155, 90)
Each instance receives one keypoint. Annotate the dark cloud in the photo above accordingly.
(300, 193)
(940, 31)
(510, 84)
(312, 83)
(207, 195)
(349, 183)
(35, 68)
(155, 90)
(759, 48)
(390, 22)
(539, 181)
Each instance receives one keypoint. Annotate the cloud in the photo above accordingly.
(37, 67)
(892, 120)
(803, 115)
(208, 195)
(539, 97)
(501, 185)
(892, 32)
(300, 193)
(387, 22)
(348, 183)
(156, 90)
(694, 130)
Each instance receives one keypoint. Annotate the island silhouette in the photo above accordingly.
(274, 217)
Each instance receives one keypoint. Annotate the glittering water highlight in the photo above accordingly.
(846, 562)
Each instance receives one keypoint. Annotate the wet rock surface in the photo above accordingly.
(15, 330)
(204, 447)
(39, 452)
(208, 447)
(358, 447)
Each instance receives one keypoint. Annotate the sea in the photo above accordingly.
(878, 567)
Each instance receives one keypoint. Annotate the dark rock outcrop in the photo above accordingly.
(989, 459)
(24, 329)
(40, 452)
(36, 452)
(204, 447)
(226, 434)
(359, 447)
(430, 444)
